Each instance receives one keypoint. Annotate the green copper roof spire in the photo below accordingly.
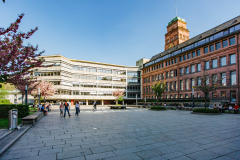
(176, 18)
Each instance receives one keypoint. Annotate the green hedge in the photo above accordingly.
(23, 110)
(4, 101)
(203, 110)
(159, 108)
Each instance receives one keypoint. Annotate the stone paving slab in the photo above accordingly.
(134, 133)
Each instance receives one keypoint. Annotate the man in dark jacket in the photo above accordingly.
(67, 108)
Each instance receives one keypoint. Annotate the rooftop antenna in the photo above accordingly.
(176, 7)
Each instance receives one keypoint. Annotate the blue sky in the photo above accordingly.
(111, 31)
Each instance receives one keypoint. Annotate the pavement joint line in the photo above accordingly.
(13, 141)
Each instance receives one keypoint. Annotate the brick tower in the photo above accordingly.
(177, 32)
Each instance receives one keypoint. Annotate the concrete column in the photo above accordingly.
(86, 102)
(102, 102)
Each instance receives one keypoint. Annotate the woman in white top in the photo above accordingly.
(77, 108)
(229, 108)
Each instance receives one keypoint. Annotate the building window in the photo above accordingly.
(223, 76)
(167, 87)
(225, 43)
(199, 67)
(214, 63)
(232, 40)
(175, 37)
(181, 71)
(184, 57)
(176, 86)
(233, 78)
(223, 61)
(162, 65)
(162, 76)
(181, 96)
(211, 48)
(189, 55)
(233, 59)
(233, 96)
(156, 77)
(199, 81)
(181, 85)
(186, 84)
(206, 50)
(198, 95)
(152, 78)
(180, 58)
(167, 74)
(193, 68)
(186, 95)
(192, 82)
(198, 52)
(171, 73)
(175, 73)
(193, 54)
(172, 61)
(159, 65)
(223, 94)
(171, 39)
(218, 45)
(175, 96)
(187, 70)
(175, 60)
(207, 65)
(159, 77)
(214, 95)
(171, 86)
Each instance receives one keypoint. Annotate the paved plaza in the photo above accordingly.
(131, 134)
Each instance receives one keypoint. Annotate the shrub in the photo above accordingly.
(158, 108)
(4, 101)
(23, 110)
(203, 110)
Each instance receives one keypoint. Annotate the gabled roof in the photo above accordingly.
(199, 37)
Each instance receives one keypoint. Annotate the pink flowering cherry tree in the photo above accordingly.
(17, 60)
(118, 95)
(47, 89)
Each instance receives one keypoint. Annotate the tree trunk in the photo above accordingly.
(205, 101)
(22, 98)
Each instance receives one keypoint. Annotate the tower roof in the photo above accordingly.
(176, 18)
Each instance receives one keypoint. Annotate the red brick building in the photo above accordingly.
(215, 52)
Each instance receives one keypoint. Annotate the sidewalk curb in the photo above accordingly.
(5, 134)
(13, 141)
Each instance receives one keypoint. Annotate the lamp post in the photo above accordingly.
(38, 96)
(136, 99)
(193, 96)
(26, 92)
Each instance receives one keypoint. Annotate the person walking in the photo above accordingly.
(67, 108)
(77, 108)
(95, 105)
(61, 109)
(236, 108)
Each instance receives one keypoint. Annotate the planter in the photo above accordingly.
(206, 113)
(157, 109)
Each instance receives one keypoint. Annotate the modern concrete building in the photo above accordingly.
(214, 52)
(90, 81)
